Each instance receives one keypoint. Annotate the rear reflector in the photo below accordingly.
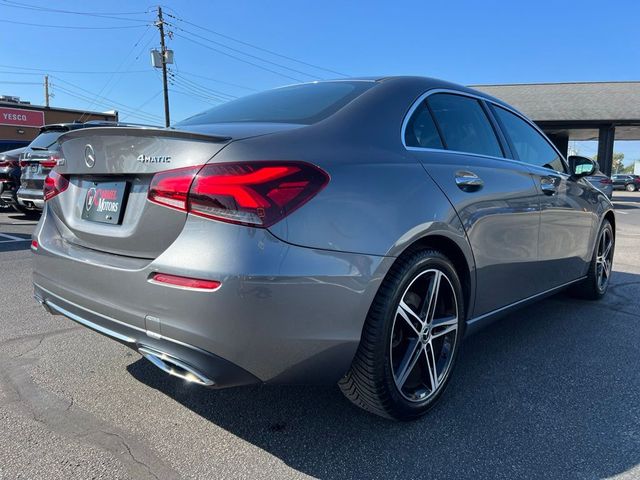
(257, 194)
(34, 244)
(185, 282)
(54, 185)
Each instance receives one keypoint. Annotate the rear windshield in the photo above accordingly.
(307, 103)
(46, 139)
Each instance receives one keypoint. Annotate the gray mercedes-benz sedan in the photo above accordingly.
(346, 231)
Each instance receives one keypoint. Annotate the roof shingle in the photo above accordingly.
(546, 102)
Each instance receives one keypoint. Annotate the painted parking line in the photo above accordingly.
(4, 238)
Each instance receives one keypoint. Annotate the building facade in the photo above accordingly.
(20, 122)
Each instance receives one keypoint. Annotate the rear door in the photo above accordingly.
(620, 181)
(567, 219)
(496, 199)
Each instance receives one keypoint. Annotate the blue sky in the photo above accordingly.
(463, 41)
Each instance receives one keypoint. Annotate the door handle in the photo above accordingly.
(468, 181)
(548, 185)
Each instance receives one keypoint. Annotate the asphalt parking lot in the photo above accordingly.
(552, 391)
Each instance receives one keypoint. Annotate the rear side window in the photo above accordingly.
(464, 124)
(306, 103)
(421, 131)
(528, 143)
(46, 139)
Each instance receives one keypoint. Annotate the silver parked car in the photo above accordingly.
(602, 183)
(345, 231)
(37, 160)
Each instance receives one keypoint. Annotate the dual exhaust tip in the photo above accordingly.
(165, 362)
(175, 367)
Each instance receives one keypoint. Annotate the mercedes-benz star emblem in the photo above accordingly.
(89, 156)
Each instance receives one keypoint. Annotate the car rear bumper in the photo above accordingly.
(30, 198)
(186, 361)
(283, 314)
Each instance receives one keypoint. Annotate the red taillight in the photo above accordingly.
(606, 181)
(34, 244)
(54, 185)
(8, 163)
(185, 282)
(171, 188)
(50, 162)
(249, 193)
(23, 163)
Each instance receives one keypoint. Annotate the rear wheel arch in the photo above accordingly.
(368, 382)
(612, 220)
(450, 249)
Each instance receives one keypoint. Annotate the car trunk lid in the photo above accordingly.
(109, 170)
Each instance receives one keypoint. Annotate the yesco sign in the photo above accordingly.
(21, 117)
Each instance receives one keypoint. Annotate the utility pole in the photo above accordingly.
(46, 91)
(163, 52)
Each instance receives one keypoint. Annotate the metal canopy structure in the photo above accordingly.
(603, 111)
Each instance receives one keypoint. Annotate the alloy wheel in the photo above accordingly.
(604, 258)
(423, 335)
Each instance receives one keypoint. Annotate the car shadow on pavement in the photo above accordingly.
(552, 390)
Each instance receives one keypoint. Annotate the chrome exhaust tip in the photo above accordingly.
(175, 367)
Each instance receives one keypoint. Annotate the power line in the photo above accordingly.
(192, 95)
(121, 66)
(186, 91)
(128, 111)
(244, 53)
(81, 72)
(218, 81)
(19, 83)
(239, 59)
(21, 73)
(70, 27)
(199, 93)
(144, 104)
(257, 47)
(87, 92)
(223, 95)
(113, 16)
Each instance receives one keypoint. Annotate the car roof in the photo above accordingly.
(432, 83)
(426, 83)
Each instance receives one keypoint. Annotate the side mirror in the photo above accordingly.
(582, 166)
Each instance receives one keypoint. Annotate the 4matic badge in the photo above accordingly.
(154, 158)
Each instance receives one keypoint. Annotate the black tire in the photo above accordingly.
(592, 288)
(371, 381)
(630, 187)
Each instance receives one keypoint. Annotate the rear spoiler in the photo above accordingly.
(141, 131)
